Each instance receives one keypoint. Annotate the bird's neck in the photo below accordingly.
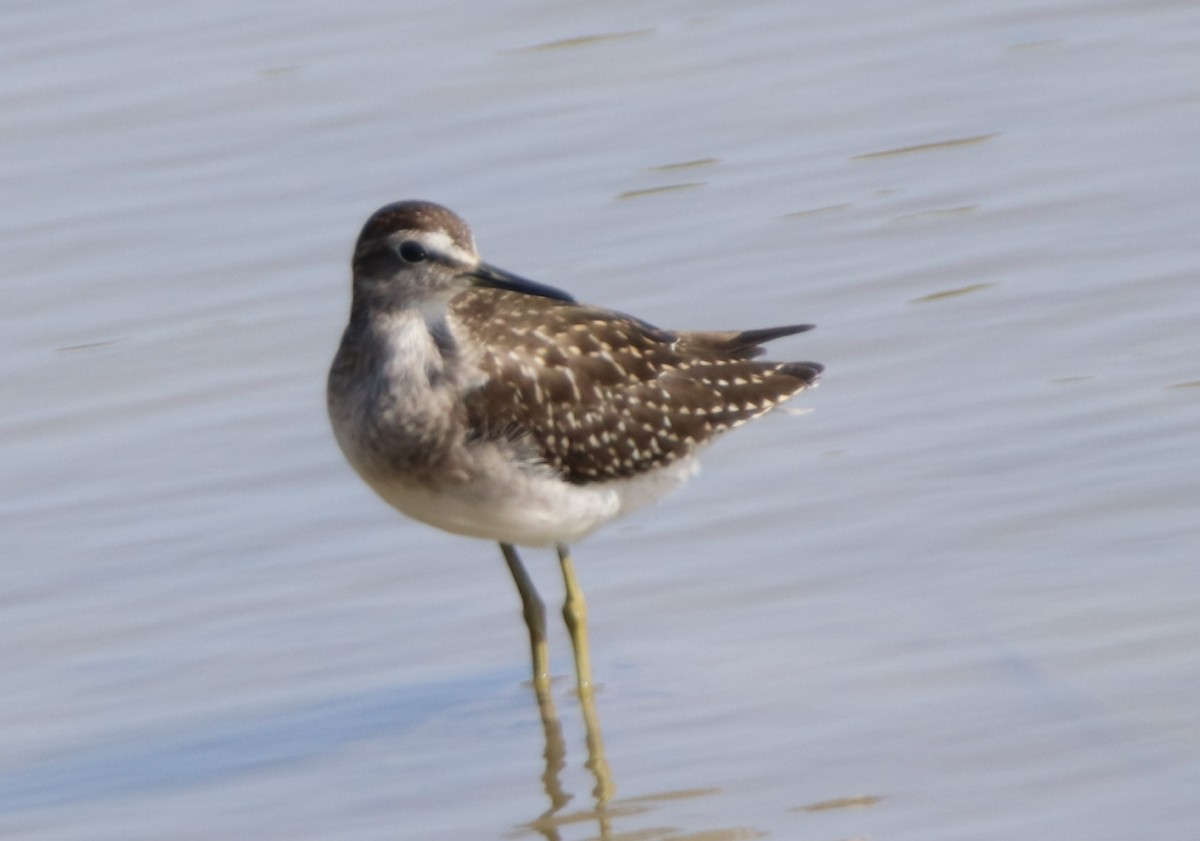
(418, 349)
(395, 383)
(404, 350)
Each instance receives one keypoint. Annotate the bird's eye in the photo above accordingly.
(412, 252)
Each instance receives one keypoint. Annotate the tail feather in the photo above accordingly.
(810, 372)
(744, 344)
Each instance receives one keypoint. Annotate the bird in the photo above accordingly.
(492, 406)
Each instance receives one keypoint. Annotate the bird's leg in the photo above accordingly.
(575, 614)
(535, 617)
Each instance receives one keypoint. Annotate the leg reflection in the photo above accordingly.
(555, 755)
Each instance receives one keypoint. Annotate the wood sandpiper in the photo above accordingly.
(491, 406)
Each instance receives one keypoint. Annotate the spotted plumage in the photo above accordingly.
(606, 396)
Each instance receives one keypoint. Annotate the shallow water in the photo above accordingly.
(957, 599)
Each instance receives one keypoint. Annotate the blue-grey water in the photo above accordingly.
(957, 599)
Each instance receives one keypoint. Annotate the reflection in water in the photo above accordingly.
(604, 810)
(597, 762)
(555, 754)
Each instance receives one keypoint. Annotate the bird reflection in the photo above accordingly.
(547, 824)
(604, 810)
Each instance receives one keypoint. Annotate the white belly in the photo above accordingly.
(529, 509)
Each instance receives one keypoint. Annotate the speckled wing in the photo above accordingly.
(603, 395)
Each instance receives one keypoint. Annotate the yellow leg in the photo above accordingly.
(535, 617)
(575, 614)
